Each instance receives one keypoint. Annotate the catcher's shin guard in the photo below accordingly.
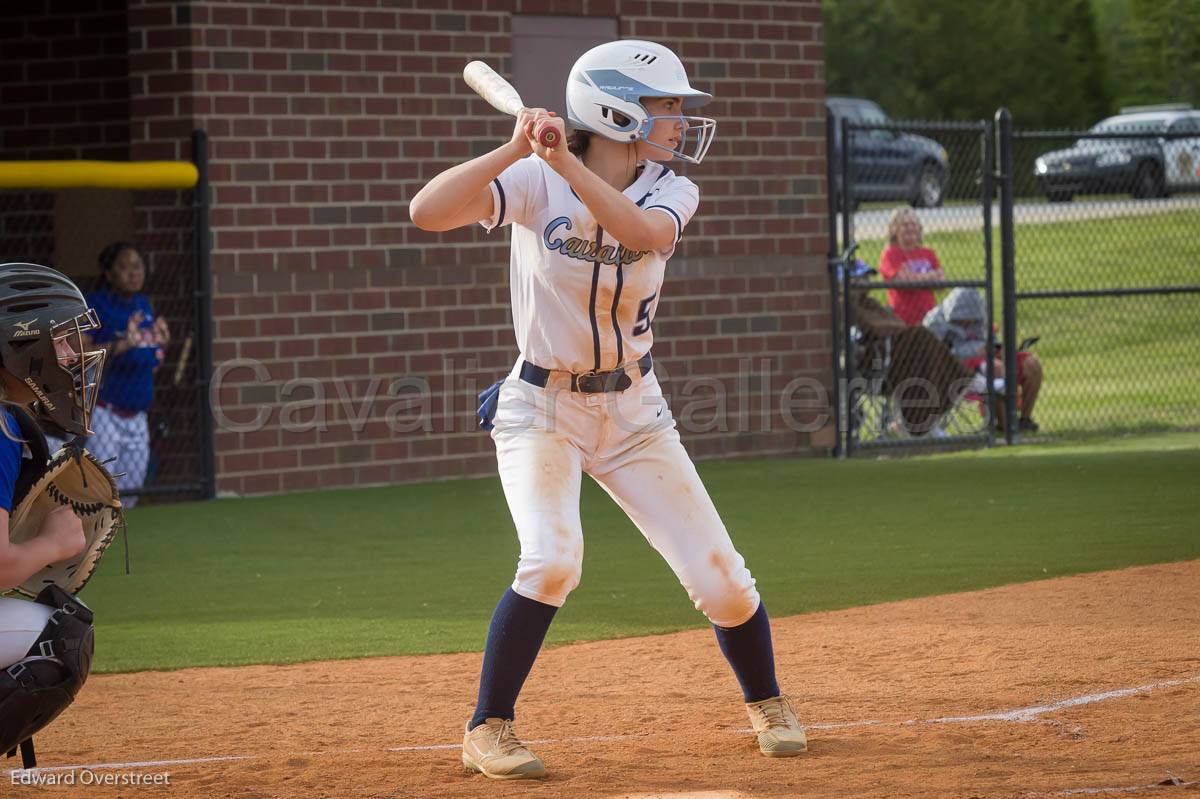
(35, 690)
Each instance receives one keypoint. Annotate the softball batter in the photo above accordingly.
(594, 221)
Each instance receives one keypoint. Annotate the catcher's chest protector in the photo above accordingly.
(35, 690)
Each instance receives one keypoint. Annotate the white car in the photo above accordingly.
(1160, 155)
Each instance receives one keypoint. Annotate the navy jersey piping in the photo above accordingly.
(616, 325)
(503, 203)
(678, 221)
(592, 301)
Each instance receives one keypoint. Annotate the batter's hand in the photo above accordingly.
(551, 155)
(525, 118)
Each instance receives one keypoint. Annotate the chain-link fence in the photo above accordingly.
(1107, 268)
(151, 412)
(918, 196)
(1105, 272)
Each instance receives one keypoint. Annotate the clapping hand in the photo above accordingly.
(162, 335)
(133, 328)
(131, 337)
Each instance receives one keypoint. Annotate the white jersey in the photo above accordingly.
(582, 301)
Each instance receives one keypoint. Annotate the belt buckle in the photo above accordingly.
(596, 382)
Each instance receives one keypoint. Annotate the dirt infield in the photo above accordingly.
(1074, 686)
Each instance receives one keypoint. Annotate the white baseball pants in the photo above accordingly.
(546, 438)
(127, 439)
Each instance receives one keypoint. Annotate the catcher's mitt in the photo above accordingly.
(73, 477)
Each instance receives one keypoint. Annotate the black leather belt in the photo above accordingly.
(588, 382)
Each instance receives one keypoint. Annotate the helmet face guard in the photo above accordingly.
(698, 136)
(84, 366)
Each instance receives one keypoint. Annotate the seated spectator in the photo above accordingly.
(136, 342)
(959, 323)
(905, 259)
(923, 379)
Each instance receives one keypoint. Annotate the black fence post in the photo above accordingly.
(987, 195)
(833, 263)
(847, 202)
(1008, 281)
(202, 247)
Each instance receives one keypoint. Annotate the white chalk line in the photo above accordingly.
(434, 747)
(1030, 713)
(183, 761)
(1024, 714)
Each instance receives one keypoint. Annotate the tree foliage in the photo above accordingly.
(1152, 48)
(1053, 63)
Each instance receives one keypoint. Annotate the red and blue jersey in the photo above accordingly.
(128, 381)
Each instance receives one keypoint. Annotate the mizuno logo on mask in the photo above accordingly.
(24, 329)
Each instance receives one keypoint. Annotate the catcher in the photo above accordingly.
(61, 511)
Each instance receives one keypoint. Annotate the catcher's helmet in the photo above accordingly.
(610, 80)
(42, 318)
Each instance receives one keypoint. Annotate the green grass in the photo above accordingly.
(1112, 364)
(418, 568)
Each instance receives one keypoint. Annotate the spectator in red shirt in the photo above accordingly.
(905, 259)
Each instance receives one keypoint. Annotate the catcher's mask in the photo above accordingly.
(43, 317)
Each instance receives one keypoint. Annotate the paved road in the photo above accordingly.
(873, 224)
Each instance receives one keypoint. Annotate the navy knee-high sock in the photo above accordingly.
(748, 649)
(514, 639)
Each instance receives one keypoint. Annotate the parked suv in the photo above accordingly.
(887, 164)
(1150, 165)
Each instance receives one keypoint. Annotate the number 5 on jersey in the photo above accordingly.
(643, 317)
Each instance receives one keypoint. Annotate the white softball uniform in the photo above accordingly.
(21, 622)
(580, 300)
(583, 302)
(124, 440)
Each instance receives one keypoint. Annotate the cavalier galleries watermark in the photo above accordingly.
(749, 396)
(87, 777)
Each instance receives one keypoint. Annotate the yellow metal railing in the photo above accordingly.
(132, 175)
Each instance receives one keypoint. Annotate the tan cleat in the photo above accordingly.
(493, 749)
(779, 733)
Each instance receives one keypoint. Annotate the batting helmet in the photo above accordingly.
(605, 88)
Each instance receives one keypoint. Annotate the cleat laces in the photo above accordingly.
(507, 742)
(774, 714)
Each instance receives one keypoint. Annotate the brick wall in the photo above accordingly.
(63, 95)
(63, 80)
(325, 120)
